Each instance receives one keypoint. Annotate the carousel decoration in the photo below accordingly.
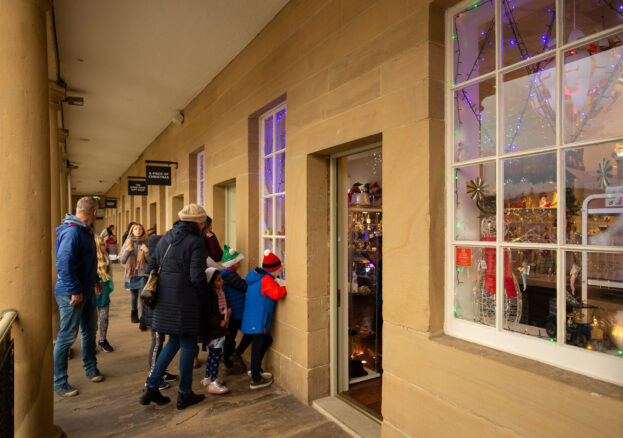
(604, 173)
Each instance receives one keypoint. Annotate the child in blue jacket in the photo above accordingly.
(262, 293)
(235, 289)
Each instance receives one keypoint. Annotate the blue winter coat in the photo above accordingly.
(76, 258)
(259, 305)
(234, 288)
(182, 286)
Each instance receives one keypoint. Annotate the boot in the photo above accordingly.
(185, 400)
(134, 317)
(154, 395)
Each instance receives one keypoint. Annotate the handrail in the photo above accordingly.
(8, 317)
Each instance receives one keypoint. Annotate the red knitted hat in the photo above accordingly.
(271, 262)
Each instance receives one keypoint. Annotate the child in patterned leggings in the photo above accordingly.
(217, 317)
(104, 270)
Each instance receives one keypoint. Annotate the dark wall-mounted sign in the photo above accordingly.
(158, 175)
(110, 203)
(137, 187)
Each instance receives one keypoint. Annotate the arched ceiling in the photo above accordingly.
(137, 62)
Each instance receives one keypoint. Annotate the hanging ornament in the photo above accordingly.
(476, 189)
(604, 173)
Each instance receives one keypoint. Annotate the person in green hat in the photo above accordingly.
(235, 289)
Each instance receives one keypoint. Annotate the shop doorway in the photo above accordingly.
(153, 220)
(230, 215)
(177, 203)
(359, 214)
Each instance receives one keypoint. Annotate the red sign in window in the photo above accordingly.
(463, 257)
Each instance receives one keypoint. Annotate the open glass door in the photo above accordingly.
(359, 241)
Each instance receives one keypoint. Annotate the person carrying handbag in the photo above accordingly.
(182, 288)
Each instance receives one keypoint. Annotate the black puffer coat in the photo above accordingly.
(211, 319)
(182, 287)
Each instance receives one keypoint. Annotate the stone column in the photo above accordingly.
(62, 168)
(25, 194)
(56, 93)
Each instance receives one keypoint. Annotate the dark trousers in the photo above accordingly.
(230, 342)
(261, 344)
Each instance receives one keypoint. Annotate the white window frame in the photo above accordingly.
(201, 177)
(274, 237)
(559, 354)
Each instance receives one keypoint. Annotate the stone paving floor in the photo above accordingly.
(111, 408)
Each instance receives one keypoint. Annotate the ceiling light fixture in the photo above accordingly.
(74, 100)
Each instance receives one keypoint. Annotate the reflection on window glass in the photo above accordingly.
(280, 121)
(594, 175)
(474, 200)
(530, 199)
(593, 302)
(475, 285)
(280, 215)
(268, 135)
(592, 99)
(528, 27)
(268, 217)
(268, 175)
(529, 107)
(585, 17)
(530, 284)
(280, 173)
(474, 41)
(474, 121)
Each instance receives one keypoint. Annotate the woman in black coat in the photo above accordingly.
(182, 288)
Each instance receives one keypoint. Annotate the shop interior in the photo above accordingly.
(360, 221)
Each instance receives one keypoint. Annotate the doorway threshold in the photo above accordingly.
(353, 421)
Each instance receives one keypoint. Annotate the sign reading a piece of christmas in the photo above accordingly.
(137, 187)
(158, 175)
(463, 257)
(110, 203)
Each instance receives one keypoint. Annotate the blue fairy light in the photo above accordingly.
(512, 42)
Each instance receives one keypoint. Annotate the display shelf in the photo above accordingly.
(365, 209)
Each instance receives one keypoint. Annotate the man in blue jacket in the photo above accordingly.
(76, 264)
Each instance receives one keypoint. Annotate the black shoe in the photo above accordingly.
(142, 327)
(153, 395)
(186, 400)
(134, 317)
(168, 377)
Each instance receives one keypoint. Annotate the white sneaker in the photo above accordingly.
(264, 374)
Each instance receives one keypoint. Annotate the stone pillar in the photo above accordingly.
(62, 168)
(25, 194)
(56, 93)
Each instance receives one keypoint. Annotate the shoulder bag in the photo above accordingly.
(150, 291)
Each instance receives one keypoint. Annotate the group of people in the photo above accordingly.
(197, 301)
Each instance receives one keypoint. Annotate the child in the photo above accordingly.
(259, 305)
(104, 270)
(235, 289)
(213, 331)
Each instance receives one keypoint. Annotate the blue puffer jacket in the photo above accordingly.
(76, 258)
(234, 288)
(259, 305)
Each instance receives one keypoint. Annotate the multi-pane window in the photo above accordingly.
(273, 181)
(201, 178)
(535, 187)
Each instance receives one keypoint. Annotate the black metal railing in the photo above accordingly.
(6, 373)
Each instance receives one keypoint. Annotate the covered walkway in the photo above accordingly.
(111, 408)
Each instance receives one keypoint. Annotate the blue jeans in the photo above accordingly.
(83, 315)
(187, 344)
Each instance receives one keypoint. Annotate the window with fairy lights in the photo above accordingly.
(273, 182)
(535, 182)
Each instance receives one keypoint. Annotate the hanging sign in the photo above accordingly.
(110, 203)
(158, 175)
(463, 257)
(137, 187)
